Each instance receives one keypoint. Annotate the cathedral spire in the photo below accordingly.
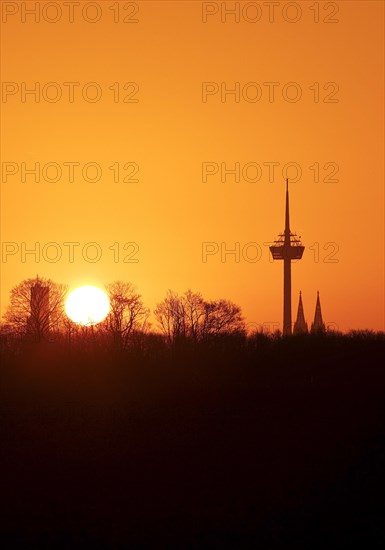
(318, 324)
(300, 326)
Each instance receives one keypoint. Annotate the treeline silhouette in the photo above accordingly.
(37, 312)
(212, 441)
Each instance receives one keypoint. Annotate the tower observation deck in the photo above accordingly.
(287, 247)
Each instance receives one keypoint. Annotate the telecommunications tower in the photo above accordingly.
(287, 247)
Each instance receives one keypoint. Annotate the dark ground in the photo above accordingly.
(273, 444)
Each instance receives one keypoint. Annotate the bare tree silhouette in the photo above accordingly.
(36, 307)
(222, 316)
(127, 313)
(195, 311)
(170, 314)
(190, 316)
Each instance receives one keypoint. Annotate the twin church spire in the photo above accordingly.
(300, 326)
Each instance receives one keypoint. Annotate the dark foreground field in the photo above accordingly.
(265, 444)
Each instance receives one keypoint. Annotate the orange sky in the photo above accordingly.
(170, 132)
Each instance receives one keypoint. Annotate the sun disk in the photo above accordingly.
(87, 305)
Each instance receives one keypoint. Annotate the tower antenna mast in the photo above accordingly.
(287, 247)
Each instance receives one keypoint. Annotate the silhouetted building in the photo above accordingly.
(287, 247)
(38, 322)
(300, 326)
(318, 324)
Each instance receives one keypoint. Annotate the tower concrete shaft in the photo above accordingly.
(286, 296)
(287, 271)
(287, 247)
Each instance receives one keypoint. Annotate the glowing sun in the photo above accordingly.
(87, 305)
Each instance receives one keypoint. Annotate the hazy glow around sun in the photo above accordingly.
(87, 305)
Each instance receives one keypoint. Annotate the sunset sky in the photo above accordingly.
(173, 128)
